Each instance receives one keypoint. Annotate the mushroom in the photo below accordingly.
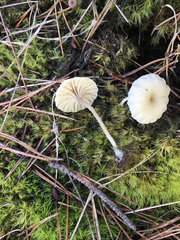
(79, 93)
(148, 98)
(72, 3)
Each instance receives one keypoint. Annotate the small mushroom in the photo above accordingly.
(72, 3)
(148, 98)
(77, 94)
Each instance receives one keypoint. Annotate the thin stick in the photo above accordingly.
(99, 20)
(156, 206)
(95, 219)
(58, 29)
(81, 215)
(82, 179)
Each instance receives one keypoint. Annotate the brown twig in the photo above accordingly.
(82, 179)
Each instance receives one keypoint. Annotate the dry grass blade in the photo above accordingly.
(32, 161)
(143, 67)
(16, 4)
(19, 21)
(83, 211)
(72, 129)
(67, 24)
(58, 29)
(15, 57)
(44, 112)
(131, 169)
(58, 225)
(13, 168)
(170, 57)
(10, 76)
(171, 44)
(164, 230)
(117, 222)
(99, 20)
(36, 225)
(67, 218)
(51, 9)
(9, 233)
(165, 21)
(81, 215)
(26, 96)
(112, 75)
(48, 178)
(162, 225)
(95, 219)
(167, 234)
(18, 152)
(153, 207)
(30, 94)
(35, 154)
(173, 231)
(122, 14)
(106, 221)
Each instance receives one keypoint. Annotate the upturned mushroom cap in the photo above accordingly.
(74, 89)
(148, 98)
(79, 93)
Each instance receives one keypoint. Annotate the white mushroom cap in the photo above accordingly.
(71, 90)
(148, 98)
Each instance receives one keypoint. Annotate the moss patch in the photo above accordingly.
(31, 67)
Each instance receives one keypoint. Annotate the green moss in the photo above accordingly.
(21, 204)
(28, 200)
(117, 52)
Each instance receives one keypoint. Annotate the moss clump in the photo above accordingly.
(22, 201)
(117, 52)
(35, 62)
(30, 201)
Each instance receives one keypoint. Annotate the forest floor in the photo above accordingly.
(59, 178)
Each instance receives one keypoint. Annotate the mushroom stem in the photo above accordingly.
(118, 153)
